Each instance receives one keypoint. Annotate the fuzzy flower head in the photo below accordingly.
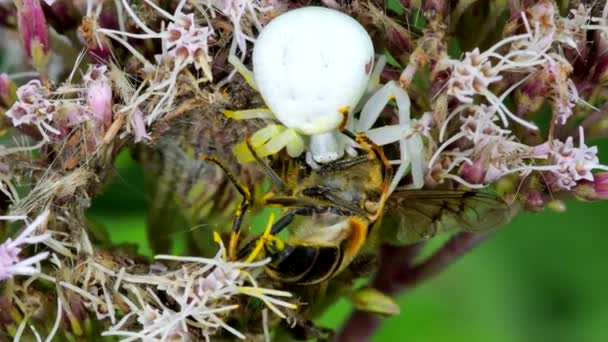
(11, 264)
(572, 164)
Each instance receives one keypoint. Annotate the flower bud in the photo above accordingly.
(99, 93)
(600, 184)
(473, 173)
(99, 99)
(534, 201)
(558, 206)
(595, 190)
(371, 300)
(34, 33)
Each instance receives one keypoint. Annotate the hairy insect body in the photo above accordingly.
(340, 204)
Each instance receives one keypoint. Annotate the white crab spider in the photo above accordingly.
(313, 66)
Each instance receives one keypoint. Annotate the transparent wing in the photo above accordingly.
(415, 215)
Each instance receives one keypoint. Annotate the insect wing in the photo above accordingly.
(415, 215)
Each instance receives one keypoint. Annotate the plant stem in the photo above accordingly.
(397, 273)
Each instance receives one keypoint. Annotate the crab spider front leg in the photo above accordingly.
(410, 143)
(242, 69)
(270, 140)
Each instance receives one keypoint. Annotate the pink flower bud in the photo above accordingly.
(473, 173)
(600, 185)
(34, 32)
(534, 201)
(99, 99)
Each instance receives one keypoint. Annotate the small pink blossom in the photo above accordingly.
(99, 93)
(187, 42)
(573, 164)
(10, 262)
(33, 107)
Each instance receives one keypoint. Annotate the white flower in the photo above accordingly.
(10, 262)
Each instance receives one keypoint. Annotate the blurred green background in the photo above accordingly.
(542, 278)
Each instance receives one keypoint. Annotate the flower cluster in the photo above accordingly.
(478, 151)
(571, 165)
(33, 107)
(57, 111)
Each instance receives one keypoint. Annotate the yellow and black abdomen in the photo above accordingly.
(304, 264)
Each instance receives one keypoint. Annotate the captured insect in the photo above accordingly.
(344, 203)
(313, 67)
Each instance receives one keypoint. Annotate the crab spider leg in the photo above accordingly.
(411, 158)
(374, 78)
(240, 212)
(287, 138)
(242, 69)
(375, 105)
(257, 113)
(269, 171)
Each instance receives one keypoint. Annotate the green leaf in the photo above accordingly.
(391, 60)
(395, 6)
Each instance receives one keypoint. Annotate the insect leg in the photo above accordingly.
(375, 105)
(242, 69)
(257, 113)
(267, 169)
(278, 226)
(241, 210)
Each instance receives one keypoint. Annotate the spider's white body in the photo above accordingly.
(311, 63)
(312, 66)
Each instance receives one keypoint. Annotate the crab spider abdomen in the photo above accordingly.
(309, 65)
